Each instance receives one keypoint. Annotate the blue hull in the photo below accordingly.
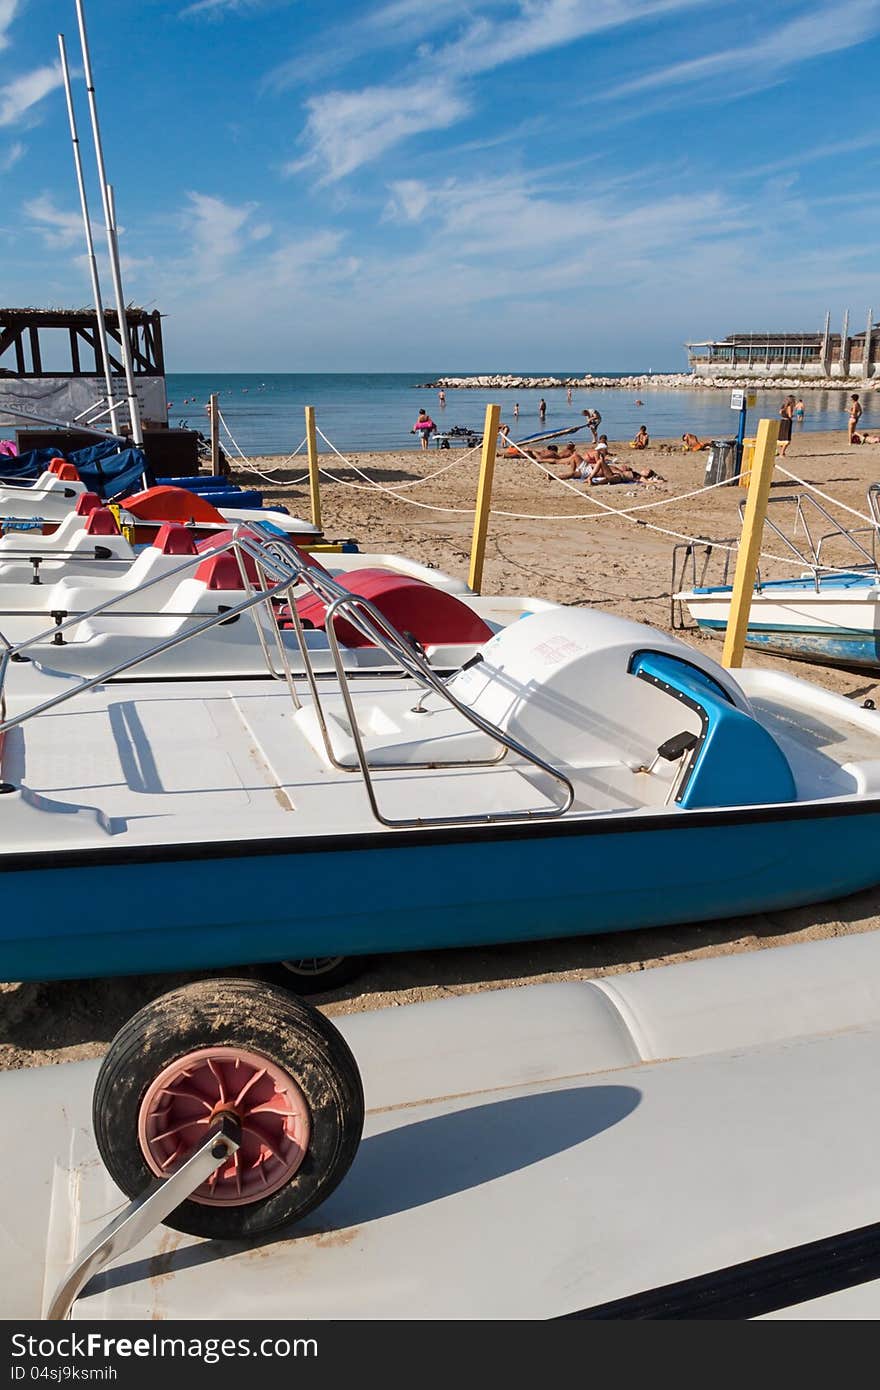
(216, 905)
(843, 646)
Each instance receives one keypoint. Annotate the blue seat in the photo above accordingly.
(736, 761)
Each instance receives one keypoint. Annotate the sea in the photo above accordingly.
(376, 411)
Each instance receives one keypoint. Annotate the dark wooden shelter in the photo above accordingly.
(25, 342)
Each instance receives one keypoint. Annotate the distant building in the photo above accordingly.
(50, 364)
(807, 355)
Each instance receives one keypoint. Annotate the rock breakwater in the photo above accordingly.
(657, 381)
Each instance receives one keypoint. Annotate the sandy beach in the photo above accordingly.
(549, 541)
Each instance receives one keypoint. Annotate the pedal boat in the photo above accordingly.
(96, 618)
(580, 773)
(659, 1127)
(832, 618)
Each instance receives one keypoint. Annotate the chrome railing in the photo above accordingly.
(280, 570)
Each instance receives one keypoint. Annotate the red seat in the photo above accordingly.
(101, 522)
(220, 572)
(175, 539)
(65, 472)
(87, 502)
(250, 567)
(167, 503)
(54, 464)
(433, 616)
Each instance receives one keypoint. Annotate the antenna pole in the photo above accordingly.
(112, 246)
(90, 245)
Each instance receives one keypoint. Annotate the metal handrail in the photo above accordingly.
(280, 569)
(813, 560)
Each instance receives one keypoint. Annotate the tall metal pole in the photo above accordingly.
(133, 408)
(90, 245)
(866, 360)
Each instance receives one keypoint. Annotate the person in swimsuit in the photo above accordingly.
(855, 415)
(692, 445)
(642, 439)
(799, 410)
(424, 427)
(542, 408)
(786, 413)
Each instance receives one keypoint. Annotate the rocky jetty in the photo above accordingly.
(657, 381)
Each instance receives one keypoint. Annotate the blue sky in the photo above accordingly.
(495, 185)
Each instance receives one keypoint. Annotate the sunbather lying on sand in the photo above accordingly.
(692, 445)
(593, 468)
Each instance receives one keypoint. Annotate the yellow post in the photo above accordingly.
(484, 496)
(745, 468)
(314, 473)
(750, 542)
(214, 418)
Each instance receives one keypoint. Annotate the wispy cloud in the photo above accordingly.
(829, 28)
(19, 95)
(8, 10)
(58, 227)
(10, 158)
(219, 231)
(347, 129)
(217, 8)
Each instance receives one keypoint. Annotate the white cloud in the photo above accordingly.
(13, 154)
(347, 129)
(7, 15)
(219, 232)
(57, 227)
(408, 202)
(219, 7)
(19, 95)
(828, 29)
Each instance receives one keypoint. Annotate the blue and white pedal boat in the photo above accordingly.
(834, 619)
(579, 774)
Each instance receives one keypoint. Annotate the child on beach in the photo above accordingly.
(424, 427)
(642, 439)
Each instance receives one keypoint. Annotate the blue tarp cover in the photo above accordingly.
(106, 469)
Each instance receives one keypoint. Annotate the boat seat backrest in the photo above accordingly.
(101, 522)
(173, 538)
(56, 464)
(220, 572)
(735, 760)
(87, 502)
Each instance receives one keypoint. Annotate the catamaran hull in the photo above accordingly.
(78, 914)
(832, 646)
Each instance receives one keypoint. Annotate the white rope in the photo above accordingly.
(252, 468)
(372, 486)
(824, 495)
(453, 463)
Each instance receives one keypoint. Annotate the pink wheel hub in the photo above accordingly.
(191, 1094)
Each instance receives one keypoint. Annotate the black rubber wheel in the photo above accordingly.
(258, 1020)
(314, 974)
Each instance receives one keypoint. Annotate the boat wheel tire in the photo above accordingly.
(315, 974)
(242, 1048)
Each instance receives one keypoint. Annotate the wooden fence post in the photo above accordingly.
(484, 496)
(763, 462)
(314, 472)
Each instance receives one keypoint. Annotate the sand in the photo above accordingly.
(610, 563)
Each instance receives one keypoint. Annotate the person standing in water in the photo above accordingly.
(442, 397)
(786, 412)
(568, 395)
(799, 410)
(542, 409)
(855, 415)
(516, 410)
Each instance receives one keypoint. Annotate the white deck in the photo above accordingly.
(527, 1153)
(181, 762)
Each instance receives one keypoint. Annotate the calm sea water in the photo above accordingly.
(377, 411)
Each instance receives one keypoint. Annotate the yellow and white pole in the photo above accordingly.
(484, 496)
(314, 472)
(750, 542)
